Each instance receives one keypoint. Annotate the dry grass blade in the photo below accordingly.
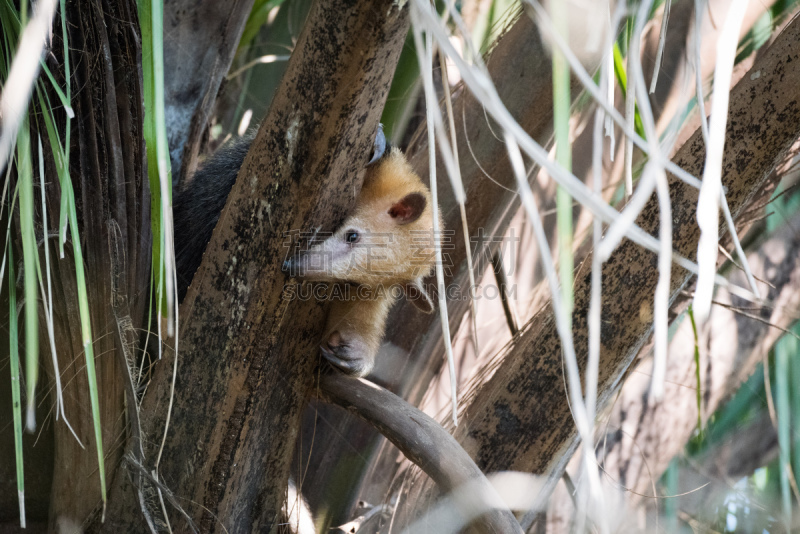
(434, 120)
(709, 202)
(18, 87)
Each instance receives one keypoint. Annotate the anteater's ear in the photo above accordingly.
(408, 209)
(379, 147)
(416, 293)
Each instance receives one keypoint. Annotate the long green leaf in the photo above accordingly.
(30, 257)
(257, 18)
(402, 99)
(151, 22)
(562, 98)
(60, 155)
(9, 33)
(698, 384)
(785, 349)
(13, 336)
(795, 406)
(622, 80)
(62, 219)
(63, 97)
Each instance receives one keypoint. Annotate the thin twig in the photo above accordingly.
(502, 283)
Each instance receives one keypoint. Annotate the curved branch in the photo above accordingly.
(418, 436)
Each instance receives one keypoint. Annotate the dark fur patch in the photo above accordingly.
(197, 206)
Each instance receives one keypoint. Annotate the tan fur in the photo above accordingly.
(390, 256)
(354, 332)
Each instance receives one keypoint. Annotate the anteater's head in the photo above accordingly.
(388, 239)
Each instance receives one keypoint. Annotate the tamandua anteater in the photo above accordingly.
(386, 246)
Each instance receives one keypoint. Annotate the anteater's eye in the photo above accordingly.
(351, 236)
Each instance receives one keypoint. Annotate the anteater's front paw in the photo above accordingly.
(349, 353)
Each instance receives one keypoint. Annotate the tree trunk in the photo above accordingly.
(112, 200)
(246, 353)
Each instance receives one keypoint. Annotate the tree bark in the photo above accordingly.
(246, 353)
(677, 68)
(112, 200)
(190, 89)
